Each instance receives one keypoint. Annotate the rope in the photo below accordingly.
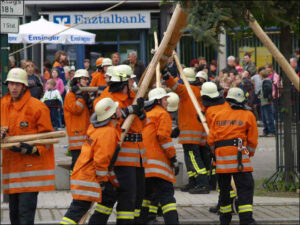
(104, 11)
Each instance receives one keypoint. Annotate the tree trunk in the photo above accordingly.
(286, 49)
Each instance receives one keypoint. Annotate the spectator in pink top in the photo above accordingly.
(274, 77)
(59, 82)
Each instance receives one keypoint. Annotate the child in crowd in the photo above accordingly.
(266, 105)
(59, 82)
(53, 100)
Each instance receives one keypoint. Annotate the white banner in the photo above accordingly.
(105, 21)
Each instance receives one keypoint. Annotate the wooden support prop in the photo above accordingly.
(191, 94)
(264, 38)
(158, 64)
(148, 75)
(171, 45)
(33, 142)
(31, 137)
(89, 89)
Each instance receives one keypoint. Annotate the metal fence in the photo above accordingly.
(287, 109)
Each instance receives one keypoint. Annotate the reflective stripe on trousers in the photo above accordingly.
(103, 209)
(195, 165)
(245, 208)
(225, 209)
(66, 220)
(125, 215)
(153, 209)
(168, 207)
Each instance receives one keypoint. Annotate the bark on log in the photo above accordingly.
(30, 137)
(33, 142)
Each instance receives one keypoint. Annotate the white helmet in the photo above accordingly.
(189, 72)
(106, 62)
(105, 108)
(209, 89)
(173, 101)
(122, 73)
(17, 75)
(236, 94)
(81, 73)
(109, 71)
(157, 93)
(202, 74)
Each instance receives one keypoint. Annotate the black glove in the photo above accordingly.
(175, 132)
(142, 115)
(92, 97)
(76, 89)
(103, 185)
(166, 75)
(175, 165)
(134, 109)
(25, 149)
(86, 98)
(198, 118)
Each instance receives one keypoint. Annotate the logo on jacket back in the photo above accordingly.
(62, 19)
(23, 124)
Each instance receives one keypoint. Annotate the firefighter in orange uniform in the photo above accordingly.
(26, 169)
(192, 134)
(77, 114)
(233, 136)
(131, 158)
(213, 103)
(161, 158)
(99, 76)
(91, 170)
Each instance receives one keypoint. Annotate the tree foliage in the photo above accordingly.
(208, 18)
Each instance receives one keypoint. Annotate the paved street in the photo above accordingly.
(193, 209)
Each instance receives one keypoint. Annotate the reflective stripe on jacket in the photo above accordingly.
(229, 124)
(191, 130)
(131, 152)
(158, 143)
(91, 167)
(77, 119)
(27, 173)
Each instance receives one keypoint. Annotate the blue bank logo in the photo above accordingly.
(62, 19)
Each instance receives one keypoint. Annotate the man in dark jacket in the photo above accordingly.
(248, 64)
(137, 66)
(230, 68)
(34, 81)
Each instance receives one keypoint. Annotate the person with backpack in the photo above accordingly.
(266, 105)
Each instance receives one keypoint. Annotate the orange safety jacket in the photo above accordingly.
(130, 152)
(27, 173)
(77, 119)
(91, 167)
(98, 79)
(158, 143)
(191, 130)
(230, 124)
(211, 111)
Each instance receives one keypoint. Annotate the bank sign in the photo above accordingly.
(108, 20)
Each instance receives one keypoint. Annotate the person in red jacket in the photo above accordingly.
(77, 114)
(91, 173)
(26, 169)
(233, 136)
(161, 164)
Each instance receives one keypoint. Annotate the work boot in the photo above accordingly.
(199, 190)
(190, 185)
(215, 209)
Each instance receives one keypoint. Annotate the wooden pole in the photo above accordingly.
(31, 137)
(33, 142)
(148, 74)
(191, 94)
(264, 38)
(89, 89)
(158, 64)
